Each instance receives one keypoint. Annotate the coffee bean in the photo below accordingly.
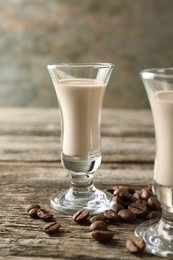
(118, 189)
(135, 245)
(125, 197)
(136, 196)
(154, 204)
(149, 186)
(111, 216)
(102, 235)
(32, 206)
(131, 190)
(146, 193)
(139, 208)
(127, 215)
(98, 225)
(117, 199)
(32, 210)
(44, 214)
(153, 215)
(121, 188)
(117, 207)
(51, 228)
(97, 217)
(110, 190)
(81, 216)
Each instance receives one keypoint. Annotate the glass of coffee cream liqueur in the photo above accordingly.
(80, 90)
(158, 234)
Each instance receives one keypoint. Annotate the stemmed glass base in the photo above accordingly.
(158, 236)
(82, 193)
(95, 201)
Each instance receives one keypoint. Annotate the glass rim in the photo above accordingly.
(157, 72)
(81, 65)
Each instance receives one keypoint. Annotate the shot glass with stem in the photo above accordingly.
(158, 234)
(80, 89)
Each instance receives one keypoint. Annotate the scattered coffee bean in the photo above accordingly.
(117, 207)
(121, 188)
(125, 197)
(153, 215)
(97, 217)
(32, 206)
(131, 190)
(146, 193)
(127, 215)
(110, 190)
(154, 204)
(102, 236)
(51, 228)
(117, 199)
(135, 245)
(32, 210)
(81, 216)
(111, 216)
(136, 196)
(44, 214)
(118, 189)
(139, 208)
(98, 225)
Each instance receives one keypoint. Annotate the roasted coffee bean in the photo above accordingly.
(32, 206)
(102, 236)
(32, 210)
(111, 216)
(111, 190)
(154, 204)
(44, 214)
(139, 208)
(153, 215)
(98, 217)
(51, 228)
(136, 196)
(146, 193)
(125, 197)
(131, 190)
(121, 188)
(135, 245)
(117, 199)
(33, 213)
(149, 186)
(117, 207)
(98, 225)
(127, 215)
(118, 189)
(81, 216)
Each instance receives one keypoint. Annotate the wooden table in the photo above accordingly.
(31, 171)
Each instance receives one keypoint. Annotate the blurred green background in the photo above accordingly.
(133, 34)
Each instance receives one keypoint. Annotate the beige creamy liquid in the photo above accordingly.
(80, 102)
(162, 108)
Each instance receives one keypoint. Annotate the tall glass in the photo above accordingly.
(80, 89)
(158, 234)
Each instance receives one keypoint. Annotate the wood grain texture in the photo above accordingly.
(31, 171)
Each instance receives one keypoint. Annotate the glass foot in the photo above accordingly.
(69, 203)
(157, 242)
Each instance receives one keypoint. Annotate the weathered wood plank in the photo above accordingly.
(47, 148)
(47, 122)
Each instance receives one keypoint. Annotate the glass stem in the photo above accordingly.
(82, 183)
